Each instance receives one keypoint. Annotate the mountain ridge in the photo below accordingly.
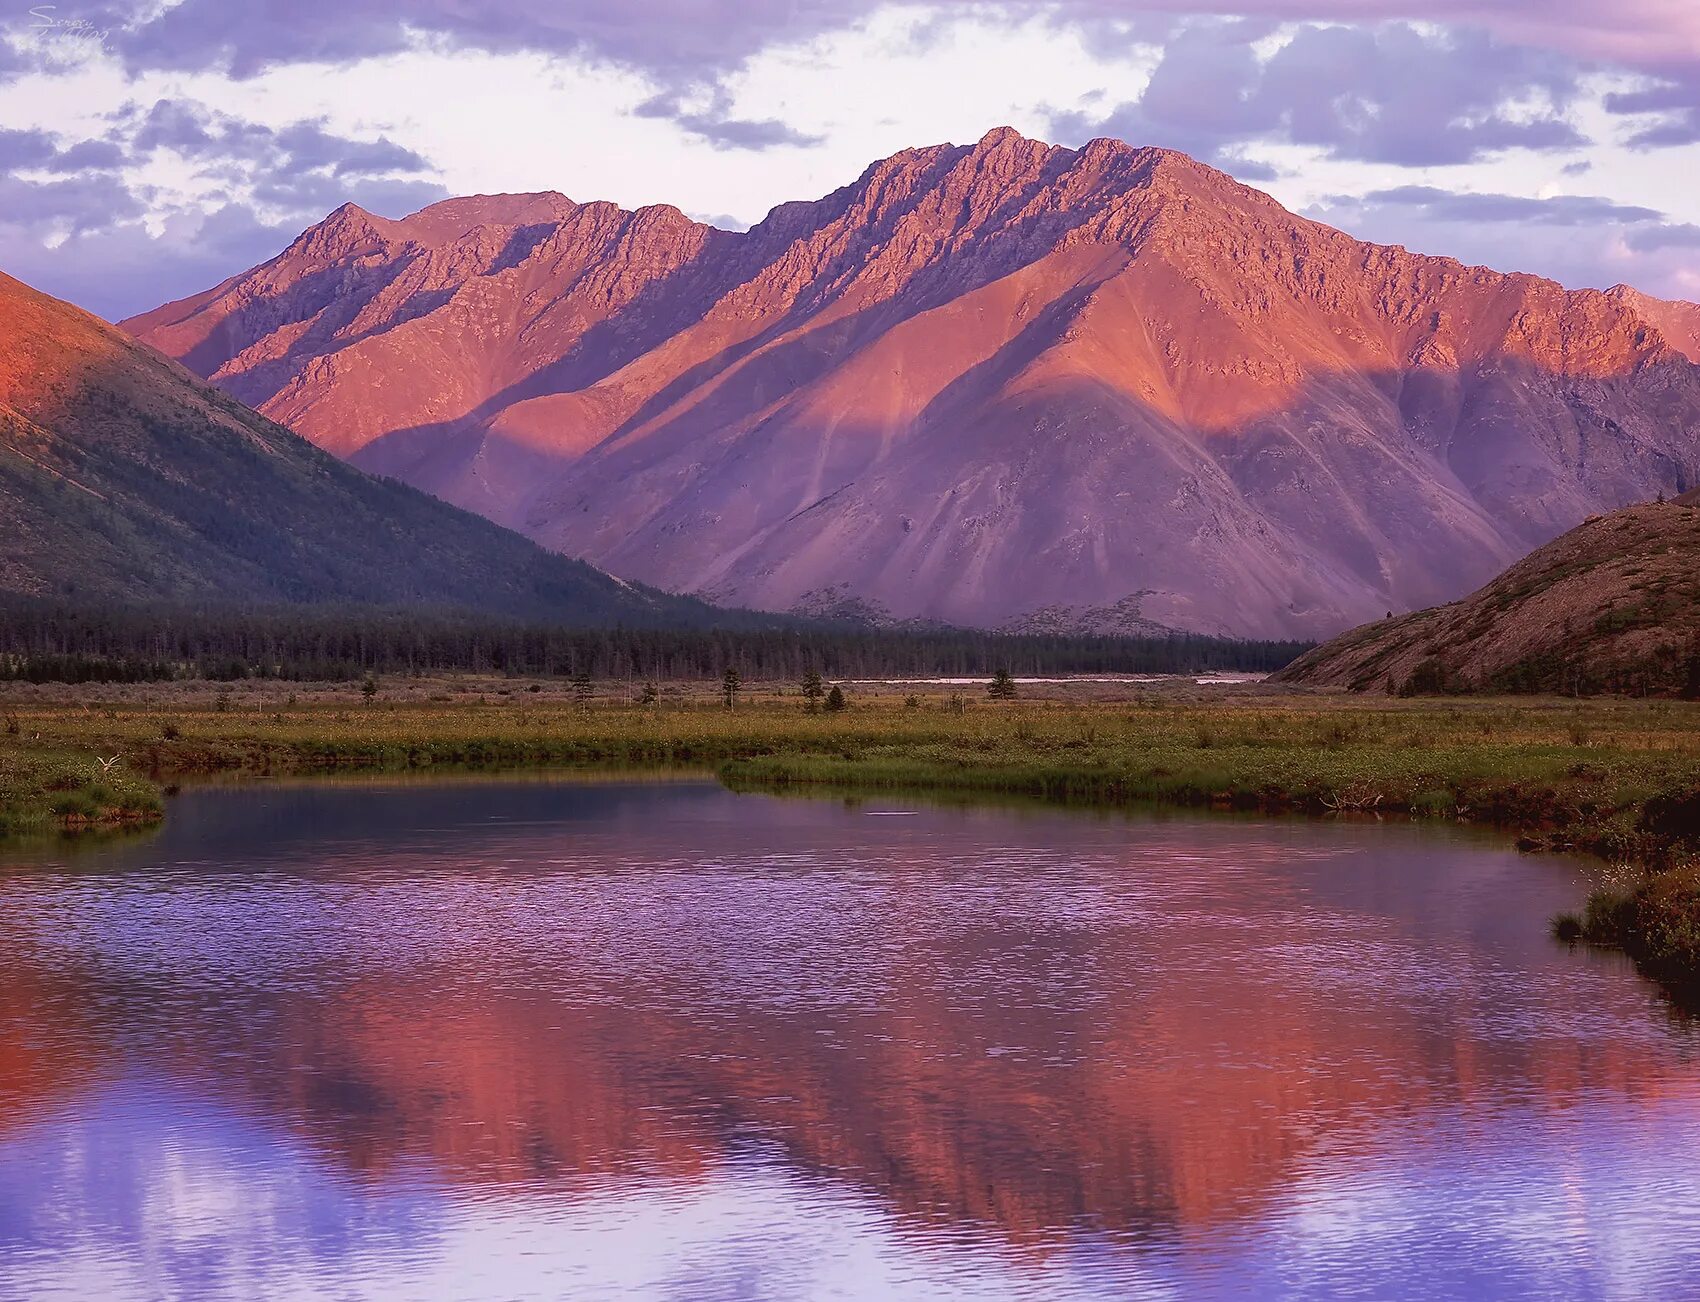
(1001, 384)
(126, 479)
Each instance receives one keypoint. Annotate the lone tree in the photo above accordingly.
(369, 687)
(650, 695)
(813, 690)
(730, 685)
(1002, 686)
(583, 689)
(835, 699)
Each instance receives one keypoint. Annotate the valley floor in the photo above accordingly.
(1614, 777)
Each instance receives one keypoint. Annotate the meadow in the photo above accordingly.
(1614, 777)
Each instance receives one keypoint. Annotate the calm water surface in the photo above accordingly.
(547, 1039)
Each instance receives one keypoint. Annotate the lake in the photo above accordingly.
(653, 1039)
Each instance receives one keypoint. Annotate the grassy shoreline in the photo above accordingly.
(1612, 777)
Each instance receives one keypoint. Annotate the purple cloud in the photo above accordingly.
(1392, 93)
(1560, 210)
(719, 128)
(77, 204)
(1578, 240)
(1668, 235)
(1373, 80)
(118, 270)
(79, 197)
(1673, 101)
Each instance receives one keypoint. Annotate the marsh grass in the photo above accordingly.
(45, 788)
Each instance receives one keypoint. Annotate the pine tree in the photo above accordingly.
(1691, 688)
(835, 699)
(1002, 686)
(651, 694)
(369, 687)
(583, 689)
(730, 685)
(813, 690)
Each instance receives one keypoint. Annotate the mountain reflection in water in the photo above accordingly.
(645, 1039)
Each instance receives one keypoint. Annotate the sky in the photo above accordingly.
(151, 148)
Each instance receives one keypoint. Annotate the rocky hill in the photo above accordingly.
(1613, 605)
(125, 478)
(1000, 384)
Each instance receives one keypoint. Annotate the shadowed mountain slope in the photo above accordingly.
(1005, 384)
(125, 478)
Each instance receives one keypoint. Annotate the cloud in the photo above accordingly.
(1578, 240)
(25, 149)
(1446, 205)
(196, 132)
(312, 196)
(77, 204)
(718, 127)
(1671, 235)
(1673, 104)
(81, 221)
(1392, 93)
(118, 270)
(681, 41)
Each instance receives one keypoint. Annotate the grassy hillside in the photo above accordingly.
(124, 478)
(1612, 606)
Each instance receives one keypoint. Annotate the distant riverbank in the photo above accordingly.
(1620, 779)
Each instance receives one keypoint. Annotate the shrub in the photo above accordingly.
(1674, 816)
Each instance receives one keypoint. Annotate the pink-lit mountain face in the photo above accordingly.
(1006, 384)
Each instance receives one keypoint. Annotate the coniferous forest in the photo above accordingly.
(47, 642)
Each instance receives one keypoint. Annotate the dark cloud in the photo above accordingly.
(716, 125)
(1391, 93)
(76, 204)
(689, 40)
(679, 40)
(40, 151)
(1360, 80)
(1578, 240)
(1670, 235)
(77, 200)
(89, 156)
(1672, 101)
(1560, 210)
(26, 149)
(122, 270)
(314, 195)
(201, 134)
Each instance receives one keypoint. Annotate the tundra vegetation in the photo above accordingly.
(1613, 777)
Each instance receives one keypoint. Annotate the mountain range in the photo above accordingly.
(1007, 384)
(124, 478)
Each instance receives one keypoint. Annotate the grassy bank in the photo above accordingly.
(1609, 777)
(43, 789)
